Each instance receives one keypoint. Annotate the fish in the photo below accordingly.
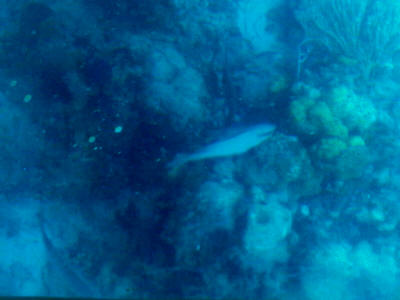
(233, 146)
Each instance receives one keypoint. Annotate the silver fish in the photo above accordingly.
(236, 145)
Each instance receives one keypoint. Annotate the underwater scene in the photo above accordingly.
(200, 149)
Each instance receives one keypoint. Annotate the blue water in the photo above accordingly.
(97, 98)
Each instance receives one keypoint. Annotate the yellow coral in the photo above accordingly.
(322, 117)
(299, 113)
(329, 148)
(279, 84)
(356, 141)
(342, 101)
(354, 111)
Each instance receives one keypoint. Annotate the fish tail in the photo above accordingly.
(176, 164)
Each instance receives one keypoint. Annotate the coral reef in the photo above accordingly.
(97, 98)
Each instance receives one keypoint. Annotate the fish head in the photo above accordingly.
(257, 134)
(263, 130)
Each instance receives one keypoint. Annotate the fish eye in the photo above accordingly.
(265, 133)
